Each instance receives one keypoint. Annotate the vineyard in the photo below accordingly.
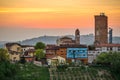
(80, 73)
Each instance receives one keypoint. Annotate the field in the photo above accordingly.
(80, 73)
(32, 72)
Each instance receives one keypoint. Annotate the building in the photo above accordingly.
(17, 51)
(108, 47)
(62, 51)
(77, 36)
(51, 50)
(65, 40)
(69, 41)
(29, 55)
(14, 51)
(101, 29)
(77, 53)
(69, 52)
(55, 60)
(92, 54)
(27, 47)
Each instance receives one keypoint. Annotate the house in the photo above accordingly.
(107, 47)
(62, 51)
(51, 50)
(27, 47)
(69, 52)
(14, 51)
(77, 53)
(55, 60)
(92, 54)
(29, 55)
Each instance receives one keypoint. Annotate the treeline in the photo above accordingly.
(112, 61)
(8, 70)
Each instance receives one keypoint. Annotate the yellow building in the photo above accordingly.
(55, 60)
(14, 51)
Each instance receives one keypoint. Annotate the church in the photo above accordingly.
(69, 41)
(71, 50)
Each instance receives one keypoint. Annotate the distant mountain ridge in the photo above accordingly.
(84, 39)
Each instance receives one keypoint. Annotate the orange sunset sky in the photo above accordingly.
(55, 14)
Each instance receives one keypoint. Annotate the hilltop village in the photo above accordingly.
(67, 50)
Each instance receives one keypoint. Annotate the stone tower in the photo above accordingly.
(77, 36)
(101, 29)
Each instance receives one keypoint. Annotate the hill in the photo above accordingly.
(84, 39)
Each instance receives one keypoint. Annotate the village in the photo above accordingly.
(68, 59)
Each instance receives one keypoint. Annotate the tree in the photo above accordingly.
(112, 59)
(7, 69)
(40, 45)
(39, 54)
(3, 55)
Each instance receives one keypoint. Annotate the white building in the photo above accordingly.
(92, 54)
(27, 47)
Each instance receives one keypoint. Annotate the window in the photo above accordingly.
(84, 55)
(118, 48)
(110, 48)
(69, 50)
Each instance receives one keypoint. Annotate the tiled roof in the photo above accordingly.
(108, 45)
(73, 46)
(52, 47)
(8, 45)
(65, 37)
(27, 46)
(30, 50)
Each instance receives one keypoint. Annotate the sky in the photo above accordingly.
(32, 18)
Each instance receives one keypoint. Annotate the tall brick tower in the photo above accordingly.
(77, 36)
(101, 29)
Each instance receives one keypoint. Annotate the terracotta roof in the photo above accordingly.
(8, 45)
(52, 47)
(30, 50)
(27, 46)
(65, 37)
(108, 45)
(73, 46)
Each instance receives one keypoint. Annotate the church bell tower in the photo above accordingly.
(77, 36)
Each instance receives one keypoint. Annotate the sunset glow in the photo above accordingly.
(58, 13)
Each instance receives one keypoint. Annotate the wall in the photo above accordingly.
(79, 52)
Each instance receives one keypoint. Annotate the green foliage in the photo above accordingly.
(40, 45)
(8, 70)
(103, 58)
(62, 67)
(39, 54)
(3, 55)
(30, 71)
(112, 59)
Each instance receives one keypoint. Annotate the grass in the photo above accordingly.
(32, 72)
